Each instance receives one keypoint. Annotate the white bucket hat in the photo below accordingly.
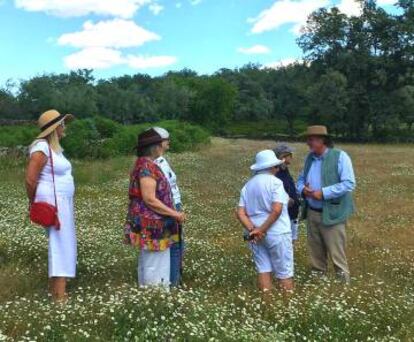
(265, 160)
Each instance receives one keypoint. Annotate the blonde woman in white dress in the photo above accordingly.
(62, 251)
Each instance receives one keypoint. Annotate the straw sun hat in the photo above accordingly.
(50, 120)
(317, 130)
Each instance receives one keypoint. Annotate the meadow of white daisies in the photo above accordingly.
(219, 300)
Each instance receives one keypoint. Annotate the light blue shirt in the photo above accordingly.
(314, 179)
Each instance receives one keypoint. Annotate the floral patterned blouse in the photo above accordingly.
(145, 228)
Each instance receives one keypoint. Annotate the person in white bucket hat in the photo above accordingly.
(263, 211)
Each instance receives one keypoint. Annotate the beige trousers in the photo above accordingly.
(327, 241)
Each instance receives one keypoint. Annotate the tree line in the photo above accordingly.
(357, 77)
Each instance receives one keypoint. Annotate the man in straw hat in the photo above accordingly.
(326, 183)
(263, 211)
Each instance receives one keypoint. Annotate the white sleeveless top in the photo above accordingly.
(63, 173)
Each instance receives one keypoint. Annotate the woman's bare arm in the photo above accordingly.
(148, 187)
(36, 164)
(244, 219)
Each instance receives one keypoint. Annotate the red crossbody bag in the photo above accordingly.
(43, 213)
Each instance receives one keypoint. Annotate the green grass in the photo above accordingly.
(219, 301)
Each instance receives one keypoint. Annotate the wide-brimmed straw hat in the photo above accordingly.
(318, 130)
(50, 120)
(265, 160)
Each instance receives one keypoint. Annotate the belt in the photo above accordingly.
(319, 210)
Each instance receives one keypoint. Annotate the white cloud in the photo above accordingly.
(94, 58)
(281, 63)
(178, 5)
(77, 8)
(155, 8)
(144, 62)
(195, 2)
(101, 46)
(100, 43)
(296, 12)
(350, 7)
(353, 7)
(103, 58)
(115, 33)
(285, 12)
(254, 50)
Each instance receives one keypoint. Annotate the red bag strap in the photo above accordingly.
(53, 175)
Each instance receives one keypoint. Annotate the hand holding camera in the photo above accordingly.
(255, 234)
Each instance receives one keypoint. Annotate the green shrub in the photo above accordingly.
(11, 136)
(82, 139)
(106, 127)
(262, 129)
(124, 140)
(100, 138)
(184, 136)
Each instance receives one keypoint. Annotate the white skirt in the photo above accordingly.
(62, 243)
(62, 254)
(154, 268)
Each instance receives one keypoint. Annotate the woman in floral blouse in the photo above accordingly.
(152, 221)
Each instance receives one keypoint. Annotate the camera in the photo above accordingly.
(247, 236)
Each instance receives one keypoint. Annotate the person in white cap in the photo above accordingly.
(177, 249)
(49, 179)
(263, 211)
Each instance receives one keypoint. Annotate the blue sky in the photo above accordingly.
(116, 37)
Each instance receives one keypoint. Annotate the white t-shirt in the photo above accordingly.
(257, 197)
(171, 176)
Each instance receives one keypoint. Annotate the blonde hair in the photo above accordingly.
(53, 140)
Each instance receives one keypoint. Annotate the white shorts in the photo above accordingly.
(274, 254)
